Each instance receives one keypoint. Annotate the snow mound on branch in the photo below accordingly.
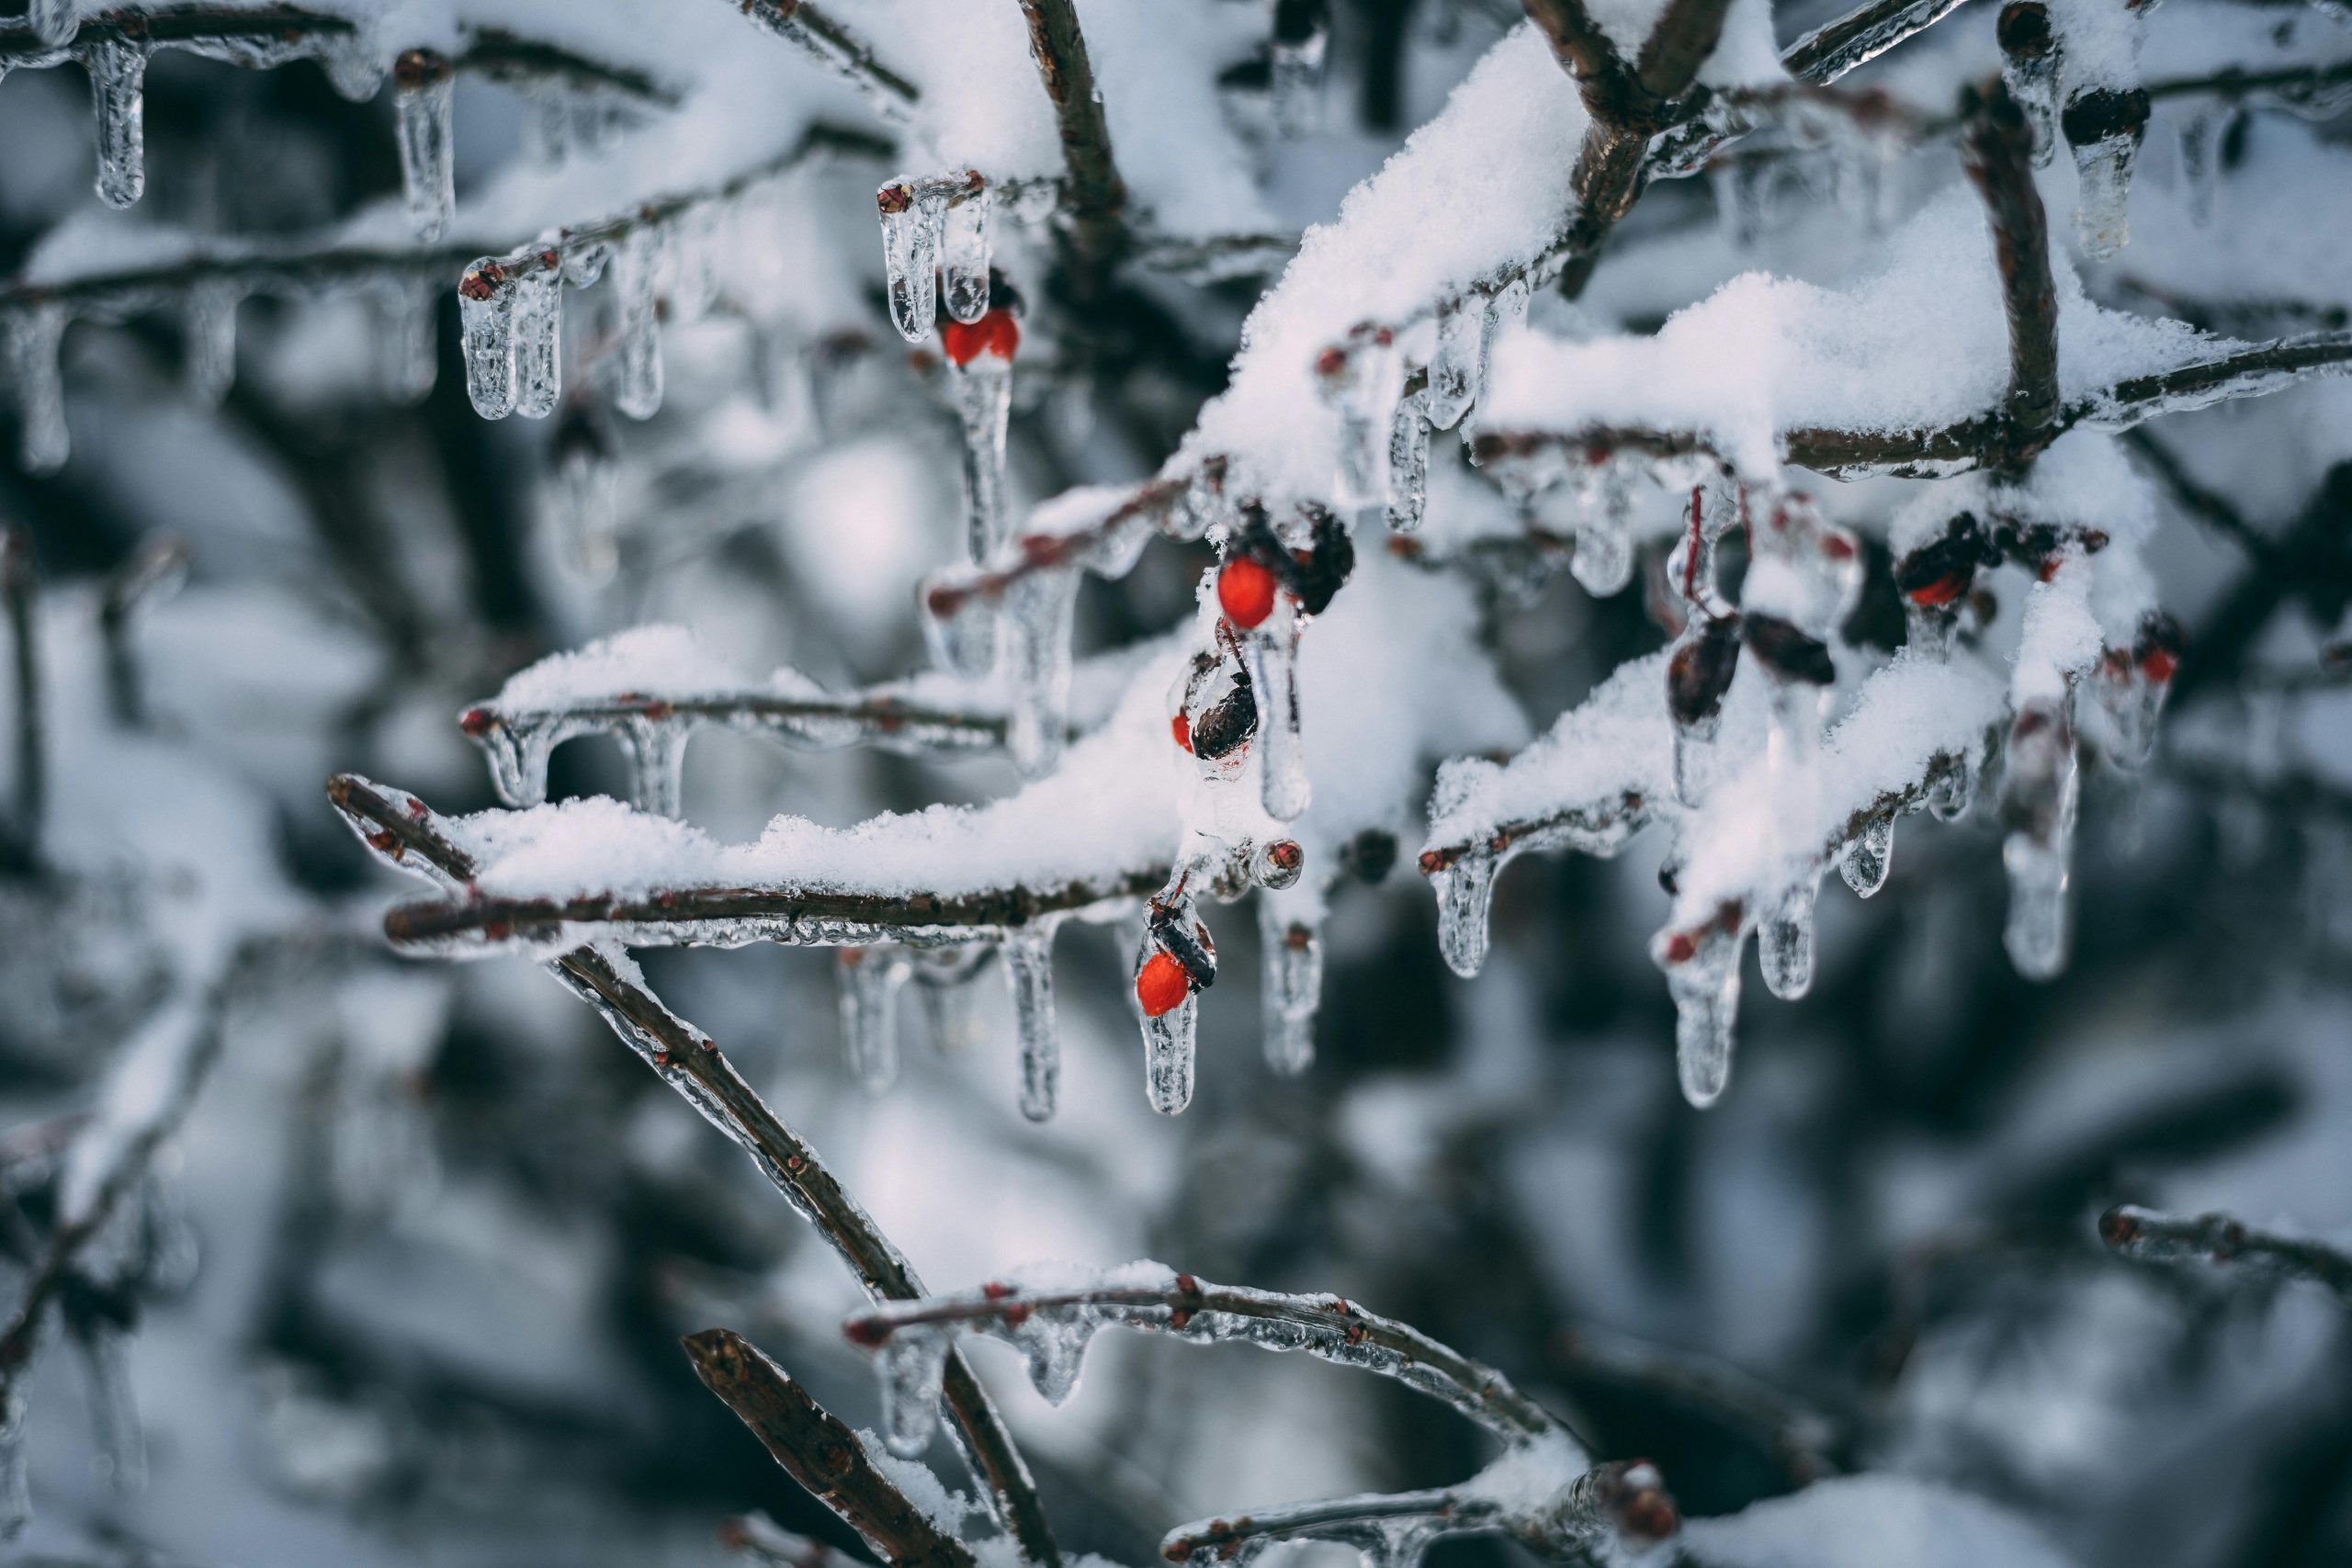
(646, 659)
(1616, 739)
(1920, 344)
(1871, 1522)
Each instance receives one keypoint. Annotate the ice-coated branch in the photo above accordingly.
(20, 601)
(2291, 84)
(407, 836)
(2146, 1235)
(1052, 1326)
(1095, 195)
(1997, 150)
(819, 1452)
(295, 269)
(835, 45)
(1862, 36)
(504, 57)
(1383, 1526)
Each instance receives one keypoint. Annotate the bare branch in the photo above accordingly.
(1330, 1328)
(154, 571)
(819, 1452)
(20, 597)
(1095, 194)
(2145, 1235)
(1997, 150)
(407, 835)
(836, 46)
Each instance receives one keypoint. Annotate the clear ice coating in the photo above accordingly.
(2133, 701)
(637, 377)
(54, 22)
(1291, 984)
(1029, 969)
(428, 174)
(1869, 857)
(1409, 463)
(121, 1442)
(1603, 562)
(1054, 1339)
(655, 750)
(983, 391)
(537, 324)
(1281, 749)
(961, 631)
(118, 68)
(2032, 82)
(1456, 366)
(486, 304)
(405, 338)
(518, 756)
(944, 985)
(869, 978)
(2040, 789)
(1360, 384)
(1784, 943)
(1168, 1041)
(2103, 195)
(1036, 631)
(210, 343)
(965, 254)
(1705, 983)
(915, 216)
(911, 1363)
(32, 335)
(1465, 894)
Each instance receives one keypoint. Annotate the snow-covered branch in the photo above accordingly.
(1997, 149)
(840, 48)
(2146, 1235)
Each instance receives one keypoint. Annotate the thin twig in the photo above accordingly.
(819, 1452)
(154, 571)
(21, 596)
(1095, 195)
(1996, 150)
(764, 1541)
(2145, 1235)
(838, 46)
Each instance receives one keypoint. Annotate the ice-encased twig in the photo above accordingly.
(2148, 1235)
(837, 46)
(406, 835)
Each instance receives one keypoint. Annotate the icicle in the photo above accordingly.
(1291, 983)
(54, 22)
(1951, 792)
(1698, 674)
(1272, 648)
(486, 302)
(2029, 72)
(2039, 792)
(1869, 857)
(547, 124)
(944, 985)
(2131, 687)
(984, 404)
(35, 335)
(869, 979)
(1747, 191)
(1604, 560)
(1456, 366)
(1301, 40)
(117, 69)
(518, 761)
(913, 1362)
(913, 215)
(1702, 976)
(407, 357)
(1359, 382)
(1409, 463)
(1029, 964)
(1505, 314)
(2102, 198)
(1465, 892)
(120, 1446)
(2200, 159)
(965, 253)
(1167, 1038)
(209, 340)
(583, 500)
(1054, 1339)
(656, 748)
(1784, 943)
(636, 263)
(422, 83)
(16, 1494)
(538, 320)
(961, 628)
(1035, 627)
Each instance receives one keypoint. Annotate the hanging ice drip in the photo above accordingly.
(1706, 652)
(32, 335)
(422, 85)
(2039, 790)
(1360, 381)
(539, 339)
(1029, 970)
(1603, 562)
(209, 339)
(869, 979)
(944, 982)
(405, 337)
(1785, 939)
(634, 279)
(117, 71)
(486, 301)
(1291, 948)
(582, 507)
(1702, 968)
(2029, 70)
(1034, 637)
(1408, 456)
(1176, 963)
(914, 222)
(2104, 126)
(1302, 37)
(1267, 588)
(1804, 577)
(2133, 683)
(979, 354)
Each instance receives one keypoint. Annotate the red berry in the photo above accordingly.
(1245, 590)
(996, 333)
(1163, 986)
(1943, 591)
(2159, 663)
(1182, 728)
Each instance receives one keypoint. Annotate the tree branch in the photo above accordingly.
(403, 831)
(2144, 1235)
(20, 597)
(1996, 150)
(836, 46)
(819, 1452)
(1096, 196)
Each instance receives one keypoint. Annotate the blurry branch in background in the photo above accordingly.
(1799, 1437)
(20, 597)
(2145, 1235)
(819, 1452)
(407, 836)
(152, 573)
(762, 1540)
(839, 48)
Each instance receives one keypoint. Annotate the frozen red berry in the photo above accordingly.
(996, 333)
(1182, 728)
(1163, 986)
(1245, 590)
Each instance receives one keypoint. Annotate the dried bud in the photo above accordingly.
(1701, 672)
(2104, 114)
(1226, 724)
(1787, 652)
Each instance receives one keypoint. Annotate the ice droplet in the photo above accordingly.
(54, 22)
(1409, 463)
(405, 339)
(1603, 562)
(2039, 787)
(34, 334)
(428, 175)
(1951, 792)
(1455, 367)
(117, 69)
(636, 265)
(965, 254)
(1869, 857)
(1465, 891)
(1784, 943)
(1292, 987)
(1035, 627)
(1704, 983)
(518, 761)
(539, 342)
(1054, 1339)
(983, 391)
(1029, 967)
(1272, 648)
(656, 750)
(869, 978)
(2103, 194)
(913, 1362)
(486, 302)
(913, 217)
(16, 1494)
(209, 340)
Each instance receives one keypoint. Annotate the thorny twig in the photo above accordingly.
(2145, 1235)
(409, 837)
(819, 1452)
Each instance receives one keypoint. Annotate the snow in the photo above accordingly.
(1866, 1521)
